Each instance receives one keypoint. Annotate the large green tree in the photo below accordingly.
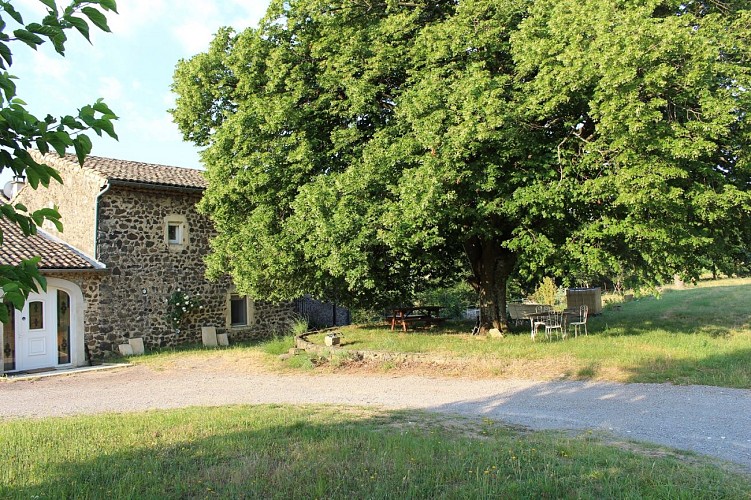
(365, 149)
(20, 130)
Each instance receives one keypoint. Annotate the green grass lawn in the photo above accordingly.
(335, 452)
(696, 335)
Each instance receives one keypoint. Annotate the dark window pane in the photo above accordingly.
(36, 315)
(63, 327)
(172, 233)
(238, 311)
(9, 340)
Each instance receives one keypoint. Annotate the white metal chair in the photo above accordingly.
(582, 321)
(554, 322)
(538, 321)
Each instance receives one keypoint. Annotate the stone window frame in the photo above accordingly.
(183, 233)
(250, 310)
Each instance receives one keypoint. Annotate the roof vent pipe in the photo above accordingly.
(12, 188)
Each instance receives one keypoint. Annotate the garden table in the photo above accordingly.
(427, 315)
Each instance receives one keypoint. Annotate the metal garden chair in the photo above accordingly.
(554, 322)
(582, 321)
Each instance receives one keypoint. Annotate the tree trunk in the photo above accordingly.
(491, 266)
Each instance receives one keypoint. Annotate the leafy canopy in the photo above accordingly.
(21, 131)
(364, 150)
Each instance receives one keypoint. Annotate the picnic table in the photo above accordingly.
(426, 315)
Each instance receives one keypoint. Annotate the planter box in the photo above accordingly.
(590, 297)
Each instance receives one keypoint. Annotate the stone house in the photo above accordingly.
(132, 238)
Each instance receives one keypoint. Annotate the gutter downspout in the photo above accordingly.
(96, 219)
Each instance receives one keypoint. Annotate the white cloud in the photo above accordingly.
(168, 99)
(33, 7)
(110, 88)
(194, 36)
(50, 66)
(199, 20)
(135, 15)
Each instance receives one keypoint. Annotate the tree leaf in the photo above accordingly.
(8, 7)
(6, 55)
(109, 5)
(80, 24)
(7, 86)
(96, 17)
(50, 5)
(28, 38)
(82, 145)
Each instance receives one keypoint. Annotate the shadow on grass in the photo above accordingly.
(706, 422)
(393, 455)
(712, 311)
(451, 327)
(724, 370)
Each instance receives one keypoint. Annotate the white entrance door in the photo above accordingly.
(36, 332)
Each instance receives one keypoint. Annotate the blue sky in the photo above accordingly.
(131, 68)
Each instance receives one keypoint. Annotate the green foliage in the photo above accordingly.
(299, 327)
(546, 292)
(17, 282)
(454, 300)
(180, 306)
(369, 151)
(20, 130)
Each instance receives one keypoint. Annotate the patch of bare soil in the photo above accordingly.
(563, 368)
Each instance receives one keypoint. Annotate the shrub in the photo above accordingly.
(180, 305)
(454, 300)
(546, 292)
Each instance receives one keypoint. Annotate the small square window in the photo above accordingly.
(238, 310)
(175, 233)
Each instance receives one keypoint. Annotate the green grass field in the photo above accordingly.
(334, 452)
(695, 335)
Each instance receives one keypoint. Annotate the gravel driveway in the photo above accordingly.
(708, 420)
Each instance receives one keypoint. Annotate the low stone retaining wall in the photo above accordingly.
(302, 343)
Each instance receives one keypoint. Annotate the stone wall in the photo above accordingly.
(145, 270)
(75, 199)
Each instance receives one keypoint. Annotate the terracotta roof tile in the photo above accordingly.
(148, 173)
(55, 254)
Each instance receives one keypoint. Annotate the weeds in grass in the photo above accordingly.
(303, 361)
(278, 345)
(299, 327)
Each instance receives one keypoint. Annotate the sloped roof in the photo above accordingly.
(55, 254)
(147, 173)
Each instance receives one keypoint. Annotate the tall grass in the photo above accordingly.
(333, 452)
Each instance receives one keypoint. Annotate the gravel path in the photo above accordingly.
(708, 420)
